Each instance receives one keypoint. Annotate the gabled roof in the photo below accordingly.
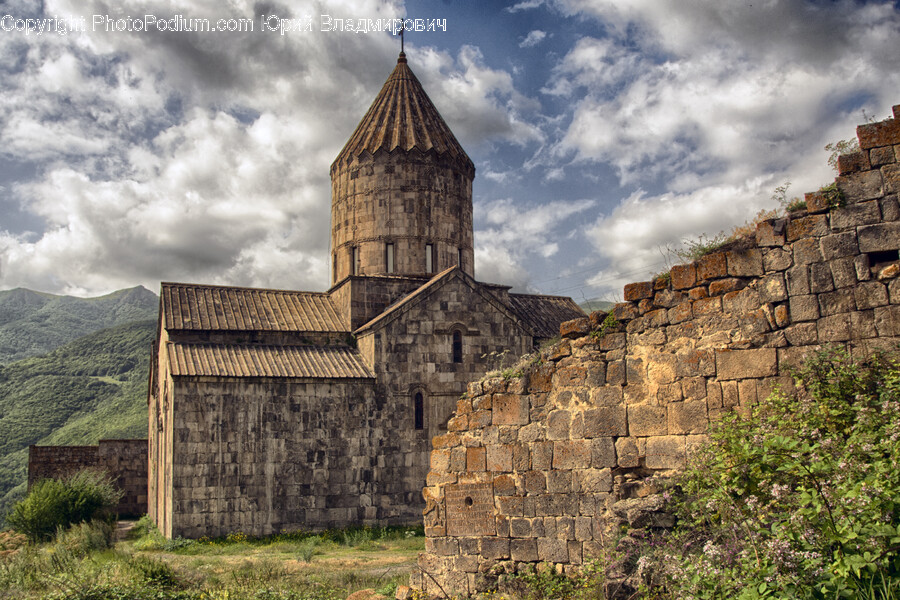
(403, 117)
(244, 360)
(545, 313)
(435, 283)
(186, 306)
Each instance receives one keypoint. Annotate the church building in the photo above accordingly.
(274, 410)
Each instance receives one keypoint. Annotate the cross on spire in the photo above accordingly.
(402, 29)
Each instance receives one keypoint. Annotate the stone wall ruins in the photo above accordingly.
(124, 460)
(536, 468)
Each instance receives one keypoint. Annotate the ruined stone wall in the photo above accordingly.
(124, 460)
(537, 468)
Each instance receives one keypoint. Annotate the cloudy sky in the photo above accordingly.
(603, 131)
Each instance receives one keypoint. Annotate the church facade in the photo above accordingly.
(275, 410)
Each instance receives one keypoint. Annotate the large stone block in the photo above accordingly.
(494, 548)
(594, 481)
(646, 420)
(499, 458)
(858, 187)
(573, 454)
(524, 550)
(883, 133)
(811, 226)
(855, 215)
(870, 294)
(603, 453)
(558, 423)
(666, 452)
(510, 409)
(712, 266)
(834, 303)
(605, 421)
(804, 308)
(638, 291)
(627, 453)
(553, 550)
(742, 364)
(880, 237)
(683, 276)
(688, 417)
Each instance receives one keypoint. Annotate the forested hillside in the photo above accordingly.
(92, 388)
(33, 323)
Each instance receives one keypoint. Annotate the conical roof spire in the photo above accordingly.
(402, 117)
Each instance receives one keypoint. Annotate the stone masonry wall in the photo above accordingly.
(124, 460)
(540, 468)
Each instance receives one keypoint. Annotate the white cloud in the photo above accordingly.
(511, 234)
(533, 38)
(205, 158)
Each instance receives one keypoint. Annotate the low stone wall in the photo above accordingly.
(124, 460)
(536, 468)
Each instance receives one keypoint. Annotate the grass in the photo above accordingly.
(326, 565)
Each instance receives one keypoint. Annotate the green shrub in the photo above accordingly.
(801, 498)
(58, 503)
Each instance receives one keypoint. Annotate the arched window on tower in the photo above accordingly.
(354, 260)
(419, 411)
(429, 258)
(457, 346)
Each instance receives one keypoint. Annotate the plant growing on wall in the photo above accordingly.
(802, 499)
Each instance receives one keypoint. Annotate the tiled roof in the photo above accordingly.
(217, 308)
(403, 117)
(234, 360)
(544, 313)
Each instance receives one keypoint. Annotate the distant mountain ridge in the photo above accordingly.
(34, 323)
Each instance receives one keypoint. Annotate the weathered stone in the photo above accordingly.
(647, 420)
(782, 315)
(593, 481)
(805, 227)
(806, 251)
(798, 280)
(862, 325)
(687, 417)
(627, 453)
(820, 278)
(666, 452)
(510, 409)
(499, 458)
(843, 272)
(839, 245)
(855, 215)
(888, 272)
(804, 308)
(637, 291)
(712, 266)
(802, 334)
(816, 202)
(723, 286)
(559, 482)
(853, 163)
(605, 421)
(476, 459)
(766, 235)
(772, 288)
(890, 208)
(683, 276)
(615, 372)
(494, 548)
(575, 328)
(835, 328)
(744, 263)
(551, 550)
(887, 321)
(883, 133)
(776, 259)
(877, 238)
(881, 156)
(707, 306)
(572, 454)
(834, 303)
(603, 453)
(524, 550)
(870, 294)
(740, 364)
(858, 187)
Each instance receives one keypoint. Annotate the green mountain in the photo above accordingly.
(33, 323)
(90, 389)
(593, 304)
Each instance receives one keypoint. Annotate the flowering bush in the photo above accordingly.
(802, 499)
